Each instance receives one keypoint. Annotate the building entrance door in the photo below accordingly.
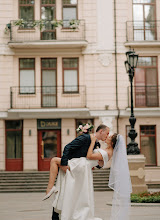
(49, 146)
(14, 149)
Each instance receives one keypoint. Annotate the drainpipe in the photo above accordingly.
(115, 46)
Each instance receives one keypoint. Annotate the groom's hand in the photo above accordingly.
(65, 168)
(101, 163)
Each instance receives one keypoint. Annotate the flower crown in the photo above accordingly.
(84, 128)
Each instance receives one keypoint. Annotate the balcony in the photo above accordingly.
(142, 33)
(47, 97)
(145, 96)
(47, 34)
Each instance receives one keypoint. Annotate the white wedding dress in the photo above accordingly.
(75, 197)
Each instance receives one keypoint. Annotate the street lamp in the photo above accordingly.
(130, 64)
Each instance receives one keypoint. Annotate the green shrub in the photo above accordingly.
(146, 197)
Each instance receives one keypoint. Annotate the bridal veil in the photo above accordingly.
(120, 181)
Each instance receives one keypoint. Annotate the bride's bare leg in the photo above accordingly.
(55, 163)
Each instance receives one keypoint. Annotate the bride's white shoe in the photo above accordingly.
(50, 193)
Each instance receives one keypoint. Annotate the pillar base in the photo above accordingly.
(137, 172)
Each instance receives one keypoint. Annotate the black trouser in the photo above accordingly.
(55, 215)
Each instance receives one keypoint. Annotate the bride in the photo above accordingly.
(74, 195)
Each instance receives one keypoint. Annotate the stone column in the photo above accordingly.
(137, 172)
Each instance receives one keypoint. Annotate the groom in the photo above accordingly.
(79, 148)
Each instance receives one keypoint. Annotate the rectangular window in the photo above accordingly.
(14, 139)
(148, 143)
(146, 82)
(26, 10)
(48, 13)
(27, 75)
(144, 24)
(69, 11)
(70, 75)
(49, 82)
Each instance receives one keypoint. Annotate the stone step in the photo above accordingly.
(44, 172)
(35, 181)
(41, 190)
(42, 181)
(42, 178)
(153, 186)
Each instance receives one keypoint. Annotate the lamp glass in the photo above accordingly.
(135, 60)
(128, 53)
(127, 66)
(131, 60)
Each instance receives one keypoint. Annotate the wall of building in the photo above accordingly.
(96, 72)
(30, 145)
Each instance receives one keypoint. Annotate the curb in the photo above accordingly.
(140, 204)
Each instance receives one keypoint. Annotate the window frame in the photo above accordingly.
(77, 68)
(155, 135)
(51, 5)
(42, 68)
(33, 5)
(155, 16)
(69, 6)
(147, 67)
(13, 129)
(20, 76)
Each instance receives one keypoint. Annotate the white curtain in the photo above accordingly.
(27, 81)
(70, 81)
(49, 87)
(69, 14)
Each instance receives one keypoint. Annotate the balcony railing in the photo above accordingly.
(145, 96)
(47, 31)
(143, 31)
(28, 97)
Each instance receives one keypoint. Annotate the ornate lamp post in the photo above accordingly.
(130, 64)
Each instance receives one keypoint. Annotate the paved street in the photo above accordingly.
(28, 206)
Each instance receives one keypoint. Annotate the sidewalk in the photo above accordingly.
(28, 206)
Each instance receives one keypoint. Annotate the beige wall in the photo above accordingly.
(6, 81)
(96, 71)
(66, 124)
(30, 146)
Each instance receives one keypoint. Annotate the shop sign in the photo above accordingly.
(49, 123)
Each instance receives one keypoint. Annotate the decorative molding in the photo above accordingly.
(48, 113)
(105, 59)
(140, 158)
(142, 112)
(104, 113)
(140, 173)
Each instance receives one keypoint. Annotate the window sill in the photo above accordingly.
(26, 30)
(71, 93)
(27, 94)
(69, 30)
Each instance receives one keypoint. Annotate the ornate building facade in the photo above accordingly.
(62, 64)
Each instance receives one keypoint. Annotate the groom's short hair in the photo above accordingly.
(101, 126)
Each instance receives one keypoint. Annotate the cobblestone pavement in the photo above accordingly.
(28, 206)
